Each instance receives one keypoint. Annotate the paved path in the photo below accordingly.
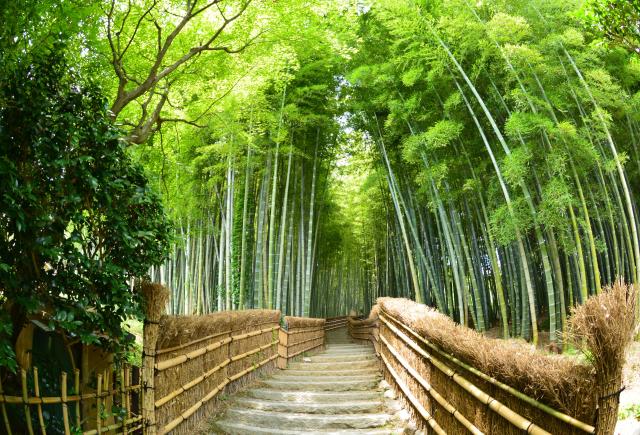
(337, 391)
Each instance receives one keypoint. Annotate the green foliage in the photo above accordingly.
(507, 221)
(616, 20)
(526, 124)
(517, 165)
(556, 197)
(79, 219)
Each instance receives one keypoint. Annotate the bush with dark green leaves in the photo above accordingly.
(78, 220)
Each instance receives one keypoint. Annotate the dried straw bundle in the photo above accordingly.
(603, 328)
(558, 381)
(303, 322)
(209, 361)
(155, 298)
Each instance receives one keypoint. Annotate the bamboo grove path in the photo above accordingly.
(337, 391)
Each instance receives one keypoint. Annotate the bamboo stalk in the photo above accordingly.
(36, 388)
(65, 409)
(25, 400)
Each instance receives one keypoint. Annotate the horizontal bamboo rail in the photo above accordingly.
(189, 412)
(527, 399)
(432, 392)
(512, 417)
(335, 323)
(288, 342)
(199, 340)
(180, 359)
(413, 399)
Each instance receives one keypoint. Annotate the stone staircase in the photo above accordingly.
(338, 391)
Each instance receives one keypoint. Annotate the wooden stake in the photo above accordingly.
(25, 399)
(76, 386)
(36, 387)
(65, 409)
(98, 404)
(5, 417)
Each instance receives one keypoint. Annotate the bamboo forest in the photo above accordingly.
(312, 156)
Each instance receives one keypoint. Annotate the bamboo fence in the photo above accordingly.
(205, 357)
(450, 396)
(332, 323)
(299, 336)
(109, 405)
(365, 329)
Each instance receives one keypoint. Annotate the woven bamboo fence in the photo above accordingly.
(87, 409)
(365, 329)
(197, 358)
(300, 335)
(332, 323)
(447, 395)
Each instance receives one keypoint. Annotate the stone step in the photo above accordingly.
(333, 407)
(321, 378)
(333, 365)
(235, 428)
(324, 372)
(349, 352)
(313, 396)
(307, 422)
(342, 358)
(323, 385)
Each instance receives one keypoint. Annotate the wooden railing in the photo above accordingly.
(450, 396)
(300, 335)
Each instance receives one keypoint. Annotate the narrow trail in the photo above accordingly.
(337, 391)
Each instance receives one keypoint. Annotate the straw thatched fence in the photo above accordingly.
(332, 323)
(299, 335)
(199, 357)
(366, 329)
(455, 380)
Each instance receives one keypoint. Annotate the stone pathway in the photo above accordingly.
(337, 391)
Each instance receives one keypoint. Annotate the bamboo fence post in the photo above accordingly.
(5, 417)
(123, 399)
(156, 297)
(76, 387)
(25, 399)
(98, 404)
(65, 408)
(127, 383)
(36, 387)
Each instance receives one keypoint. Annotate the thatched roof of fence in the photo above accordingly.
(563, 382)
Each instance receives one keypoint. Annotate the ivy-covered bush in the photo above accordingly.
(78, 219)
